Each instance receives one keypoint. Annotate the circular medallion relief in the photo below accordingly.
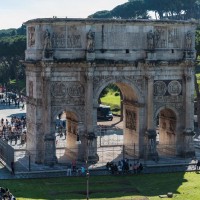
(58, 90)
(174, 88)
(75, 90)
(160, 88)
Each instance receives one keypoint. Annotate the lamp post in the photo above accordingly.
(90, 136)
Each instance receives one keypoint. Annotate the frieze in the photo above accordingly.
(64, 89)
(160, 36)
(173, 37)
(68, 101)
(168, 98)
(131, 120)
(58, 40)
(73, 38)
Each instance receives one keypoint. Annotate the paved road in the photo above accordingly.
(7, 111)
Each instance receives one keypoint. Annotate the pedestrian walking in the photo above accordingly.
(69, 169)
(197, 165)
(12, 168)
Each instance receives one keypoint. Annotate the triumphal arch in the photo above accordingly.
(70, 61)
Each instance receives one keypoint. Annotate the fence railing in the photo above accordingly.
(24, 160)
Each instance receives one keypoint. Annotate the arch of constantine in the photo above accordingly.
(70, 61)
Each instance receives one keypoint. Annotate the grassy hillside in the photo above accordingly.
(112, 98)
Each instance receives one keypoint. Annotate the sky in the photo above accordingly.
(13, 13)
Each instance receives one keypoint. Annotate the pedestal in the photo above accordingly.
(188, 150)
(50, 157)
(151, 144)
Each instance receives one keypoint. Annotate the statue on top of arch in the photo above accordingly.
(90, 41)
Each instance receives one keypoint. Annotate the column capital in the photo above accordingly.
(149, 77)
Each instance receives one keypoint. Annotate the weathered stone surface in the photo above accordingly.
(70, 61)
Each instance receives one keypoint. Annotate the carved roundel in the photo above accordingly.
(76, 90)
(160, 88)
(58, 89)
(174, 88)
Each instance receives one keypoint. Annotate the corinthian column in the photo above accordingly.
(188, 103)
(150, 124)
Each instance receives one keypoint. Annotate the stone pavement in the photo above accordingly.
(41, 171)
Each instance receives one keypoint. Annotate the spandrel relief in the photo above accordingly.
(67, 89)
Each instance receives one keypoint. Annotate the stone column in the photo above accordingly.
(150, 124)
(49, 131)
(188, 133)
(151, 132)
(90, 116)
(188, 102)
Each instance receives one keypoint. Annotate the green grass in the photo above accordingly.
(185, 186)
(113, 101)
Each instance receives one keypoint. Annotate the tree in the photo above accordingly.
(133, 9)
(12, 50)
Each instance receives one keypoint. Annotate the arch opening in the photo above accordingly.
(67, 138)
(118, 138)
(166, 132)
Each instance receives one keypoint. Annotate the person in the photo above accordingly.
(82, 170)
(69, 170)
(140, 167)
(12, 168)
(198, 165)
(74, 165)
(135, 168)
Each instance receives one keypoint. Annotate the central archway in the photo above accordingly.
(131, 128)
